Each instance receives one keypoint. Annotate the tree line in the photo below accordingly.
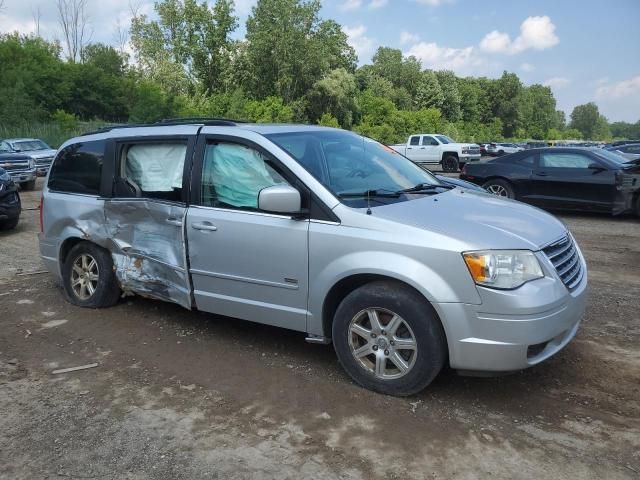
(291, 66)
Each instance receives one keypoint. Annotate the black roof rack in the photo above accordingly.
(165, 122)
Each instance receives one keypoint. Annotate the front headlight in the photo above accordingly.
(504, 269)
(32, 163)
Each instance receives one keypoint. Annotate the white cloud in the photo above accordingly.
(349, 5)
(433, 3)
(537, 33)
(495, 41)
(434, 56)
(358, 39)
(527, 67)
(378, 3)
(622, 89)
(556, 82)
(407, 37)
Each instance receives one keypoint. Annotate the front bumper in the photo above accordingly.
(469, 157)
(514, 329)
(23, 175)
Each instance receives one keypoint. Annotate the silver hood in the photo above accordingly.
(36, 154)
(482, 221)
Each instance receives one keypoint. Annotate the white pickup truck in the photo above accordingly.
(434, 149)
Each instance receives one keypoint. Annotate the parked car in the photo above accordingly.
(41, 153)
(21, 168)
(317, 230)
(434, 149)
(10, 207)
(623, 142)
(563, 178)
(456, 182)
(530, 145)
(499, 149)
(630, 151)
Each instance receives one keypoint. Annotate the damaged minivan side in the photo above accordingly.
(318, 230)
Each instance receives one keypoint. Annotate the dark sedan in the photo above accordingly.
(10, 207)
(563, 178)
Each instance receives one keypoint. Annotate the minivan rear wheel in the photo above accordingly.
(88, 277)
(389, 339)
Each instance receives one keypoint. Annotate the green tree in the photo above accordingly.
(506, 102)
(451, 106)
(429, 94)
(585, 118)
(334, 94)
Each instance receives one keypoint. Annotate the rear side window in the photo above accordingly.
(78, 168)
(414, 141)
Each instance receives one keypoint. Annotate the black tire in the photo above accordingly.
(28, 186)
(9, 224)
(450, 164)
(500, 188)
(107, 292)
(425, 328)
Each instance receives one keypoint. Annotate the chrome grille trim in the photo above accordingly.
(565, 259)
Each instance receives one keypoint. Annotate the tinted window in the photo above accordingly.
(529, 160)
(564, 160)
(233, 175)
(429, 141)
(415, 141)
(78, 168)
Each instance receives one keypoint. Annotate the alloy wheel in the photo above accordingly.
(84, 276)
(382, 343)
(498, 190)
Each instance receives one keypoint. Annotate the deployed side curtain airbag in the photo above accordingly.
(237, 174)
(156, 168)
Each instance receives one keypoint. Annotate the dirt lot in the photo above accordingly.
(188, 395)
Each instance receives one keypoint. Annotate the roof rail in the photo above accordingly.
(208, 121)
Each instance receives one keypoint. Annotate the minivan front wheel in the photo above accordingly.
(88, 277)
(388, 338)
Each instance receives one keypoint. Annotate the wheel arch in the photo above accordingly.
(504, 179)
(446, 154)
(345, 286)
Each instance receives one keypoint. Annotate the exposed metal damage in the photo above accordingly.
(147, 245)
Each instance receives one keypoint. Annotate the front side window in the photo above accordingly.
(78, 168)
(564, 160)
(444, 139)
(154, 170)
(233, 175)
(429, 141)
(347, 163)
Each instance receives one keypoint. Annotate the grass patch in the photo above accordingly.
(51, 132)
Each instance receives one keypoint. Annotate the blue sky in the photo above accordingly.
(585, 50)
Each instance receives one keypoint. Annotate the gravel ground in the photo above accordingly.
(180, 394)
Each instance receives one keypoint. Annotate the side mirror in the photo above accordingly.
(434, 143)
(280, 199)
(596, 167)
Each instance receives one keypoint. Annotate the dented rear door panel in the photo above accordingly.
(148, 248)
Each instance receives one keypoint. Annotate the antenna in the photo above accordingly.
(368, 202)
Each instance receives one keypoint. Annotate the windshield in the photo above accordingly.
(613, 156)
(444, 139)
(347, 163)
(30, 145)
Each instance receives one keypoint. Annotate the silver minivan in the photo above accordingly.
(318, 230)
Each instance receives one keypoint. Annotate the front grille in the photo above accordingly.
(474, 150)
(565, 259)
(15, 166)
(44, 161)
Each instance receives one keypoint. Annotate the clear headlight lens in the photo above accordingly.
(503, 268)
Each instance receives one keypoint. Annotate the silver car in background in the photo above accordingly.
(318, 230)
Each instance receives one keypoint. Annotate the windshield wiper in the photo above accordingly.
(425, 187)
(370, 193)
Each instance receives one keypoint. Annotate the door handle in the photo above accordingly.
(422, 148)
(174, 221)
(204, 226)
(542, 174)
